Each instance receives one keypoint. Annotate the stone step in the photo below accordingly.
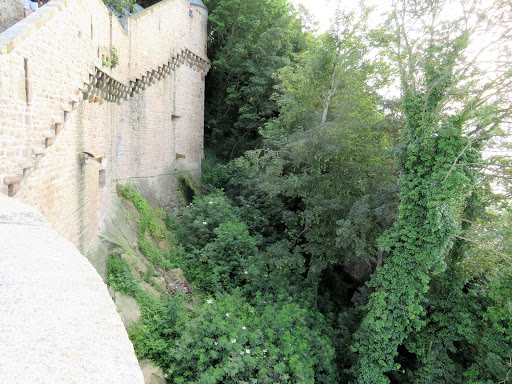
(57, 119)
(66, 107)
(39, 151)
(75, 100)
(49, 134)
(49, 141)
(12, 183)
(27, 166)
(58, 128)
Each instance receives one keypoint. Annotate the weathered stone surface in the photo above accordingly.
(152, 373)
(118, 232)
(12, 12)
(119, 229)
(149, 289)
(58, 323)
(98, 256)
(159, 282)
(137, 266)
(176, 276)
(163, 244)
(128, 308)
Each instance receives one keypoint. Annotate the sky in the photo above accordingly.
(323, 10)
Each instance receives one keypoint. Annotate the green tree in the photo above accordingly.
(449, 108)
(248, 42)
(120, 6)
(319, 164)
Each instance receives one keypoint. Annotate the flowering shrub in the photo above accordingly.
(226, 340)
(217, 244)
(247, 327)
(198, 220)
(219, 266)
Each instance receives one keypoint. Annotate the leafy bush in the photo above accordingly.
(222, 264)
(148, 217)
(150, 220)
(120, 277)
(196, 223)
(226, 340)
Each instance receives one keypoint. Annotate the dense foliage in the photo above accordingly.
(352, 237)
(248, 41)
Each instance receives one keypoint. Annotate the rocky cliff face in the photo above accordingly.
(11, 13)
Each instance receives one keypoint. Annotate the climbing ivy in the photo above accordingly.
(436, 178)
(149, 221)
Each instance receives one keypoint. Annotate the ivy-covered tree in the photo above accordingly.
(450, 104)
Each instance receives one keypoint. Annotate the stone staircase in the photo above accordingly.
(97, 87)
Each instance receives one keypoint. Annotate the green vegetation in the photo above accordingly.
(150, 226)
(120, 6)
(186, 188)
(344, 236)
(240, 331)
(112, 60)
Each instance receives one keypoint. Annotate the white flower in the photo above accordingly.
(247, 351)
(209, 301)
(211, 202)
(165, 375)
(264, 351)
(244, 327)
(227, 314)
(205, 222)
(216, 343)
(241, 352)
(245, 272)
(233, 341)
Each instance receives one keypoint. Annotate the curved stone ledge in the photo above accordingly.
(58, 322)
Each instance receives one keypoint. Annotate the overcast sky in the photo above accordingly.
(323, 10)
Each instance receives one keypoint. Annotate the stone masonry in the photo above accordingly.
(58, 323)
(142, 121)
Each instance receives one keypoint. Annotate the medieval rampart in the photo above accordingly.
(58, 101)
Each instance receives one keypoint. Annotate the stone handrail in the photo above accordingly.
(58, 323)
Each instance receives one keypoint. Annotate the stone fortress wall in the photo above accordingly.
(57, 101)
